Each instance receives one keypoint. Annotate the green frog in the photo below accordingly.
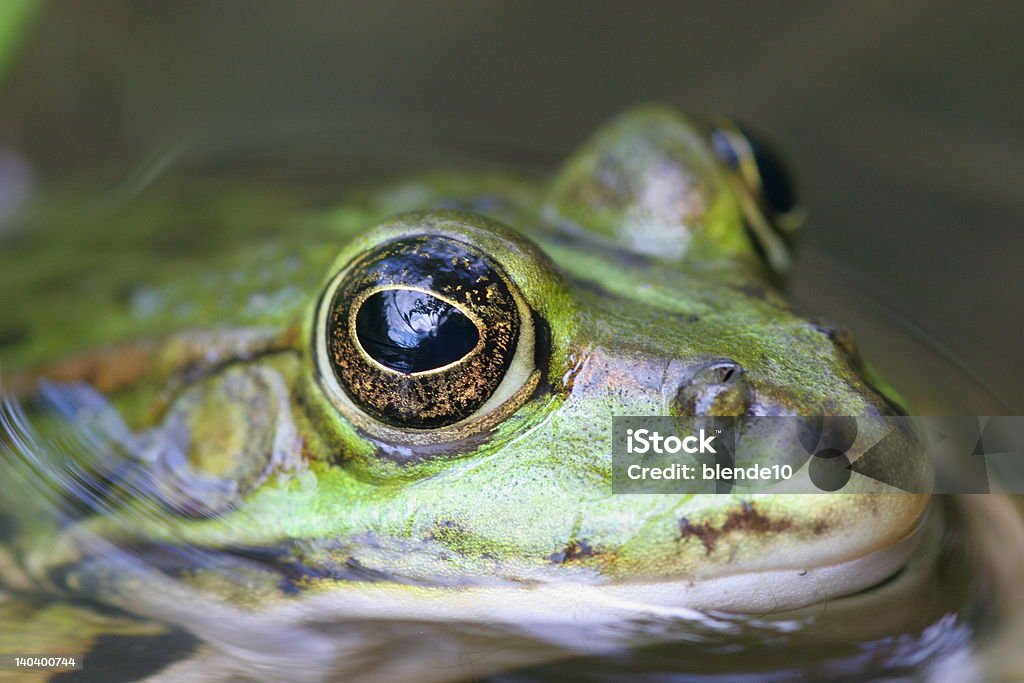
(242, 410)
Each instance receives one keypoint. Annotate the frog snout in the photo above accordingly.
(653, 385)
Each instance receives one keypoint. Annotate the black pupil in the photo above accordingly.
(411, 331)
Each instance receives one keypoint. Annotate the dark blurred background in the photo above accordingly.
(902, 120)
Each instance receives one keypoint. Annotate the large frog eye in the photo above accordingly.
(423, 332)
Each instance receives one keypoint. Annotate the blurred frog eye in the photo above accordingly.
(776, 185)
(764, 188)
(422, 332)
(758, 165)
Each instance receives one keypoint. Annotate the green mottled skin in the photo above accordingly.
(639, 285)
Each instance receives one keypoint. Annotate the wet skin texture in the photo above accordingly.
(267, 341)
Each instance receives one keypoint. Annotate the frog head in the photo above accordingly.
(431, 415)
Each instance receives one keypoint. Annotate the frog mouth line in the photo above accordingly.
(277, 564)
(181, 561)
(763, 591)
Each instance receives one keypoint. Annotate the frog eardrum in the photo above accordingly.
(421, 331)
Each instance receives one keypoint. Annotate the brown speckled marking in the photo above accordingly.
(574, 550)
(181, 359)
(109, 369)
(746, 518)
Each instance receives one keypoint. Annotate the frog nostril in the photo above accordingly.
(718, 389)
